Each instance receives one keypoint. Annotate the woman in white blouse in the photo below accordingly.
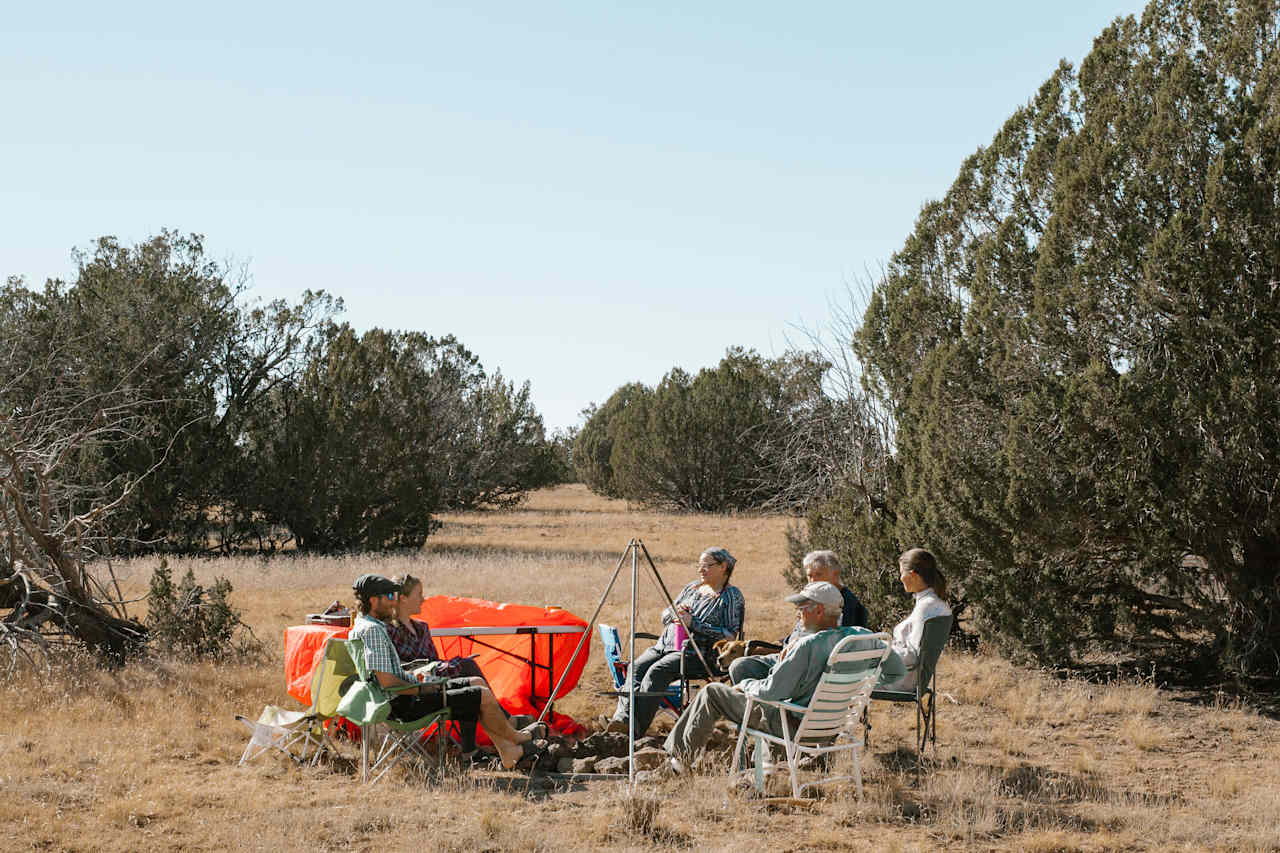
(918, 570)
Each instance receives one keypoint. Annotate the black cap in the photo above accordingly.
(367, 586)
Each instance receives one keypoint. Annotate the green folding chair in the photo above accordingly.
(934, 637)
(368, 705)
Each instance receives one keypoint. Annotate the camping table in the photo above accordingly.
(472, 632)
(305, 641)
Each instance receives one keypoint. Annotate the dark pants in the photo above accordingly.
(466, 668)
(654, 671)
(464, 707)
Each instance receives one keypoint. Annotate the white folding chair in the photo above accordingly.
(827, 724)
(279, 729)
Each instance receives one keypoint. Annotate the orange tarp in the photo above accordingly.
(504, 658)
(303, 649)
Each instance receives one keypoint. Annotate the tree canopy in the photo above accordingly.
(251, 423)
(697, 442)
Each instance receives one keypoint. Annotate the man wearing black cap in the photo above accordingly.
(375, 597)
(792, 678)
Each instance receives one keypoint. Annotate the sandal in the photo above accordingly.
(532, 752)
(535, 731)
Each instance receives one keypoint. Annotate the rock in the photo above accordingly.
(650, 777)
(584, 765)
(568, 765)
(649, 759)
(611, 765)
(606, 744)
(650, 742)
(547, 762)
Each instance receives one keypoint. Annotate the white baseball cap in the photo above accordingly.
(820, 591)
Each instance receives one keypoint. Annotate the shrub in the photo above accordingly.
(191, 620)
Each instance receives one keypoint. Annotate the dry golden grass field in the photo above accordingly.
(145, 758)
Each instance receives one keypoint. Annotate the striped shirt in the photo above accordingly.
(379, 654)
(713, 617)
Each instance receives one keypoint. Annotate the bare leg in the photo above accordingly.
(495, 724)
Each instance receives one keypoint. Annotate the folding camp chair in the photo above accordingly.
(281, 730)
(284, 730)
(828, 722)
(618, 668)
(367, 704)
(936, 632)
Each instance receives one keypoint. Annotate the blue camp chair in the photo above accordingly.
(671, 700)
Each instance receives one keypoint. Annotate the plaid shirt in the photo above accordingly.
(379, 654)
(410, 644)
(714, 617)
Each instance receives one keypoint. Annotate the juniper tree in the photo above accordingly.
(1079, 345)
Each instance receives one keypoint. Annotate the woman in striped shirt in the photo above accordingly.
(708, 609)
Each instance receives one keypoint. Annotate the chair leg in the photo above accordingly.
(926, 729)
(790, 748)
(760, 747)
(364, 753)
(736, 764)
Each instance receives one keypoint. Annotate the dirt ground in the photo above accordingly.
(146, 758)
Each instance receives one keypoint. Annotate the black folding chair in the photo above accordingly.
(936, 632)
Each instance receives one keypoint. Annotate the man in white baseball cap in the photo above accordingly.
(793, 677)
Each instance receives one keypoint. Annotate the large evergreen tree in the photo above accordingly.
(1079, 344)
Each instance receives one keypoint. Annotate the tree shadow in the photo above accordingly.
(1193, 681)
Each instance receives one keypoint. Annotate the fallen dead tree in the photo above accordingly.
(52, 516)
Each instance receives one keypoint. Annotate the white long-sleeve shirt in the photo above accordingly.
(908, 632)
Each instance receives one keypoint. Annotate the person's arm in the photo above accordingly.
(783, 681)
(383, 662)
(909, 648)
(390, 682)
(681, 603)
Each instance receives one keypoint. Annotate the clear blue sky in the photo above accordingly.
(585, 194)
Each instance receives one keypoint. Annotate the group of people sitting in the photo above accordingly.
(711, 609)
(399, 653)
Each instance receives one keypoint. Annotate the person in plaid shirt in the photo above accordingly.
(376, 597)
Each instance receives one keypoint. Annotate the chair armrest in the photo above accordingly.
(644, 635)
(404, 688)
(786, 706)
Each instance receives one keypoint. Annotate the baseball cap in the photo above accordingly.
(367, 586)
(820, 591)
